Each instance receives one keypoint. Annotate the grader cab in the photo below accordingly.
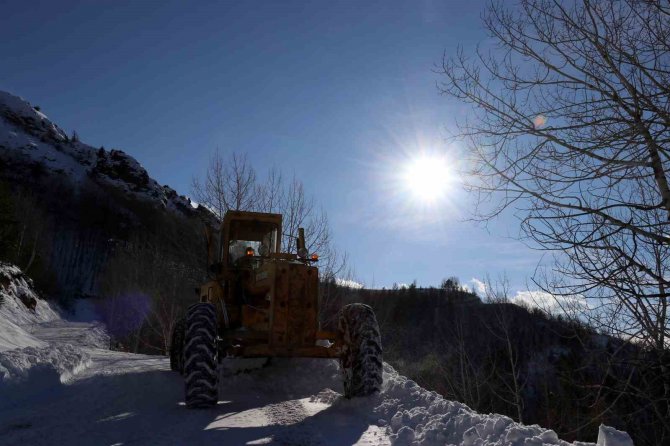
(261, 302)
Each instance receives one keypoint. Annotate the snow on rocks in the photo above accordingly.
(21, 112)
(20, 308)
(22, 354)
(608, 436)
(29, 139)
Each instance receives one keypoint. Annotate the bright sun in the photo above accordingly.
(428, 178)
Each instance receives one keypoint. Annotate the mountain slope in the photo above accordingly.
(75, 206)
(28, 139)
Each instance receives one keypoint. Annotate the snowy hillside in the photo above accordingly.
(20, 309)
(24, 354)
(59, 385)
(72, 205)
(31, 142)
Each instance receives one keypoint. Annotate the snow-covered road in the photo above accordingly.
(127, 399)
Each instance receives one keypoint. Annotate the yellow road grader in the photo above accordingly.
(261, 302)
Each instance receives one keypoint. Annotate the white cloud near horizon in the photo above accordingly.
(349, 283)
(549, 302)
(478, 286)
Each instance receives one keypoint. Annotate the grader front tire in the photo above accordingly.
(361, 359)
(200, 365)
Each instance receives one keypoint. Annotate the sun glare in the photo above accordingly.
(428, 178)
(417, 183)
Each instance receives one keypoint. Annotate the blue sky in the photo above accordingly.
(341, 93)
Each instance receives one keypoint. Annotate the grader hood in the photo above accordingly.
(280, 313)
(295, 316)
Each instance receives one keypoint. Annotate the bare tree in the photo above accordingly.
(145, 289)
(231, 184)
(467, 377)
(163, 315)
(228, 184)
(513, 382)
(300, 211)
(271, 193)
(571, 129)
(334, 266)
(32, 226)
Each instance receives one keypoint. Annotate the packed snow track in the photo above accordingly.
(127, 399)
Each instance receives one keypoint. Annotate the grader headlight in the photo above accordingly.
(250, 252)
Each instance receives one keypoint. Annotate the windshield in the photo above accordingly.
(238, 249)
(262, 239)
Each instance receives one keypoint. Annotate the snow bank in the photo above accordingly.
(29, 374)
(412, 416)
(419, 417)
(12, 336)
(17, 365)
(23, 314)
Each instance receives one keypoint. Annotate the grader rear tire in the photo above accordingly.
(177, 346)
(200, 365)
(361, 359)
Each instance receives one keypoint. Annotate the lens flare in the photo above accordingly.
(539, 121)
